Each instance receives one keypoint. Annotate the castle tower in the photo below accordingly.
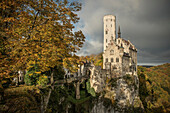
(109, 29)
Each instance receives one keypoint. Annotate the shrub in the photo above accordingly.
(43, 80)
(32, 75)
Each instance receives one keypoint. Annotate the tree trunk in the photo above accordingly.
(17, 81)
(52, 77)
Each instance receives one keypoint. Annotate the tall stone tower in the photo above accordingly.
(109, 29)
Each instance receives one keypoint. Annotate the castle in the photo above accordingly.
(119, 55)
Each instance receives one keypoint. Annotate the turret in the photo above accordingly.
(119, 33)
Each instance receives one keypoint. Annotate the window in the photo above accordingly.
(111, 59)
(111, 19)
(111, 37)
(106, 59)
(119, 41)
(117, 59)
(106, 32)
(106, 40)
(111, 25)
(106, 25)
(111, 52)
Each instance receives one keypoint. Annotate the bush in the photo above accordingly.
(90, 89)
(32, 75)
(43, 80)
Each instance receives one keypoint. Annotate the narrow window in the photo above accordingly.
(106, 25)
(111, 19)
(117, 59)
(111, 59)
(112, 37)
(106, 32)
(106, 59)
(111, 25)
(106, 40)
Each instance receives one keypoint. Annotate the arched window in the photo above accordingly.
(112, 52)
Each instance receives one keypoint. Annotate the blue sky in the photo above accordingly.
(146, 23)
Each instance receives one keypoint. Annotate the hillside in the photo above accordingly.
(154, 88)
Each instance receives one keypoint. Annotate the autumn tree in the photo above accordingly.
(41, 33)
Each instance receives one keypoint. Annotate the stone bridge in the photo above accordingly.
(77, 81)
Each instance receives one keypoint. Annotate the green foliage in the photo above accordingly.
(154, 88)
(90, 89)
(32, 75)
(58, 99)
(43, 80)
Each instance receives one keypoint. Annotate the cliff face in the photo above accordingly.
(122, 90)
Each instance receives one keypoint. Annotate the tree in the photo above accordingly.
(41, 33)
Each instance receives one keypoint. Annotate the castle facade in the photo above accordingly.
(119, 55)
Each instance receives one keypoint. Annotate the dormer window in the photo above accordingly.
(111, 52)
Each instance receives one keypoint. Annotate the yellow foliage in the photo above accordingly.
(30, 74)
(38, 72)
(37, 34)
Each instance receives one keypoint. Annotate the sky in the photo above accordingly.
(146, 23)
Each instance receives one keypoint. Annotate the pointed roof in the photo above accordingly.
(119, 33)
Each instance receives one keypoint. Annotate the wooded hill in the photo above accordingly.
(154, 88)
